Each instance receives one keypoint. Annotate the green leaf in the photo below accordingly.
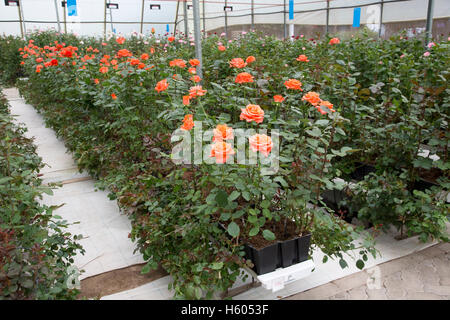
(146, 269)
(360, 264)
(343, 263)
(253, 232)
(233, 229)
(268, 235)
(233, 195)
(216, 265)
(222, 198)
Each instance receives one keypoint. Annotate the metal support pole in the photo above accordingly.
(429, 26)
(226, 20)
(65, 22)
(186, 22)
(284, 20)
(381, 18)
(197, 36)
(176, 19)
(20, 20)
(23, 20)
(104, 23)
(204, 19)
(142, 16)
(253, 14)
(57, 16)
(328, 17)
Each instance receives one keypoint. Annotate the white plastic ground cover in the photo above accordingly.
(105, 230)
(388, 248)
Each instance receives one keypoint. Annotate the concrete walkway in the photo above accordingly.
(104, 228)
(423, 275)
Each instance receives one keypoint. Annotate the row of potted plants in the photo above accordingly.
(308, 111)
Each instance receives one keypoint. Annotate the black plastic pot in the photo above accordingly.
(265, 260)
(282, 254)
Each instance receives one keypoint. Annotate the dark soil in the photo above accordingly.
(117, 280)
(259, 242)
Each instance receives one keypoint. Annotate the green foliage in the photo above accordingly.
(35, 250)
(389, 100)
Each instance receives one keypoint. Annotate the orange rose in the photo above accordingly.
(104, 69)
(278, 98)
(312, 97)
(222, 132)
(325, 104)
(261, 143)
(124, 53)
(145, 56)
(96, 81)
(120, 40)
(192, 70)
(113, 96)
(186, 100)
(188, 122)
(302, 58)
(178, 63)
(39, 68)
(194, 62)
(196, 91)
(250, 59)
(221, 48)
(221, 151)
(252, 112)
(135, 62)
(334, 41)
(171, 39)
(293, 84)
(162, 85)
(237, 63)
(196, 79)
(244, 77)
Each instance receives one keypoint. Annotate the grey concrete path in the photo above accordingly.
(104, 228)
(422, 275)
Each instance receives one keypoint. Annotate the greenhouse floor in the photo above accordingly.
(105, 238)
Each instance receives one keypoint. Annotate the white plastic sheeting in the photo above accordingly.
(41, 14)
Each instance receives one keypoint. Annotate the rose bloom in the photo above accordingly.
(252, 112)
(194, 62)
(178, 63)
(312, 97)
(278, 98)
(426, 54)
(243, 77)
(334, 41)
(134, 62)
(186, 100)
(302, 58)
(192, 70)
(103, 69)
(250, 59)
(430, 45)
(39, 60)
(196, 91)
(96, 81)
(221, 48)
(222, 132)
(120, 40)
(170, 39)
(261, 143)
(325, 104)
(124, 53)
(237, 63)
(221, 151)
(162, 85)
(141, 65)
(196, 79)
(188, 122)
(145, 56)
(113, 96)
(39, 67)
(293, 84)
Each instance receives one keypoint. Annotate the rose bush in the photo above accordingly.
(312, 118)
